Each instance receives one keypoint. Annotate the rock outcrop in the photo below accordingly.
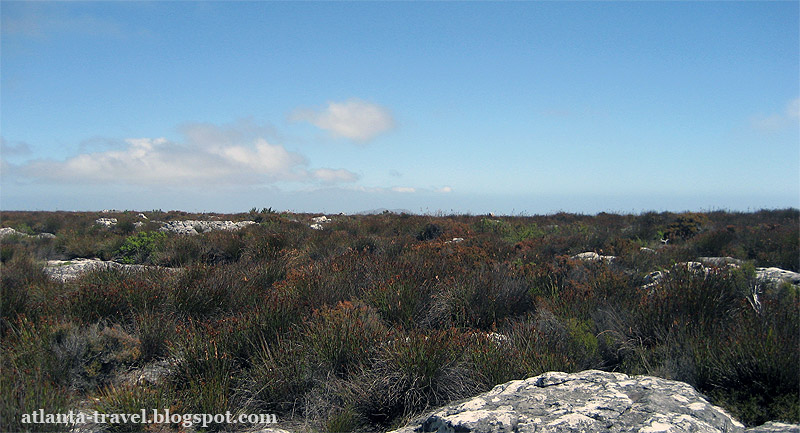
(589, 401)
(720, 261)
(317, 222)
(106, 222)
(193, 227)
(591, 256)
(66, 270)
(775, 427)
(706, 265)
(8, 231)
(777, 276)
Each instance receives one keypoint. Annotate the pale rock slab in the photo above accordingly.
(589, 401)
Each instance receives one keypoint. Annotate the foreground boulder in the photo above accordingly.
(777, 276)
(589, 401)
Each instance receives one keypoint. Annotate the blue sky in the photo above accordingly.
(468, 107)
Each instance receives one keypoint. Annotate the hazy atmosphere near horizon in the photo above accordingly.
(465, 107)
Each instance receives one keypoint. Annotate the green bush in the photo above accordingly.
(139, 247)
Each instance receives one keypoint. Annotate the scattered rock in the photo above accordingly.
(693, 266)
(589, 401)
(106, 222)
(497, 337)
(151, 374)
(653, 277)
(591, 256)
(317, 222)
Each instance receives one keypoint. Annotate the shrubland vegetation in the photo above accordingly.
(376, 318)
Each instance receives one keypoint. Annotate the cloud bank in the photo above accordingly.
(777, 121)
(354, 119)
(208, 155)
(13, 149)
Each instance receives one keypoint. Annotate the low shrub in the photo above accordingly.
(429, 232)
(140, 247)
(154, 330)
(205, 378)
(412, 373)
(278, 378)
(342, 339)
(29, 380)
(91, 356)
(17, 276)
(131, 399)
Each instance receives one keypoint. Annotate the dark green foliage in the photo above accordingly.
(685, 226)
(139, 247)
(431, 231)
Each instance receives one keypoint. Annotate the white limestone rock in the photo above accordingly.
(775, 427)
(317, 222)
(589, 401)
(8, 231)
(193, 227)
(777, 276)
(591, 256)
(106, 222)
(720, 261)
(66, 270)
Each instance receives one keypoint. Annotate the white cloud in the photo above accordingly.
(354, 119)
(793, 109)
(328, 175)
(34, 22)
(403, 190)
(209, 155)
(13, 149)
(778, 121)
